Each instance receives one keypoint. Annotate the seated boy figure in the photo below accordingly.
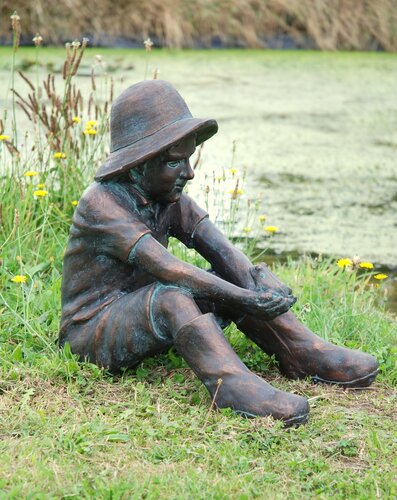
(125, 297)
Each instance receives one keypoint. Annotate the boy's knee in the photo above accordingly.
(173, 307)
(169, 297)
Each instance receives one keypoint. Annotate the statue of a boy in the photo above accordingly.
(125, 297)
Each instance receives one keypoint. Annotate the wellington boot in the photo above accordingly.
(204, 347)
(300, 353)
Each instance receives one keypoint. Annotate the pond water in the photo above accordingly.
(316, 133)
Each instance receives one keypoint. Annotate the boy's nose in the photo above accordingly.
(187, 172)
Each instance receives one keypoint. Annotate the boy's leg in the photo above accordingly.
(201, 342)
(299, 351)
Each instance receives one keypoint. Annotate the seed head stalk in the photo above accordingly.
(148, 48)
(37, 40)
(16, 37)
(72, 63)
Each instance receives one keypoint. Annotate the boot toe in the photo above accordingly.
(299, 414)
(251, 396)
(358, 369)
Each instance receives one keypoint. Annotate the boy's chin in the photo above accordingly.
(171, 197)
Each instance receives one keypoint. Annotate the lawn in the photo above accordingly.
(69, 429)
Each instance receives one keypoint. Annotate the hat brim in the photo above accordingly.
(123, 159)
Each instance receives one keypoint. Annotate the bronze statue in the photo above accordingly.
(125, 297)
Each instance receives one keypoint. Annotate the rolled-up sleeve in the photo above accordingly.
(186, 216)
(111, 228)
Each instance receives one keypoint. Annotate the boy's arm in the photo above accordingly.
(231, 263)
(150, 255)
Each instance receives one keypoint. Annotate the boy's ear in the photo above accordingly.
(140, 168)
(135, 173)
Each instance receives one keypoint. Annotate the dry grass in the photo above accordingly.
(324, 24)
(107, 438)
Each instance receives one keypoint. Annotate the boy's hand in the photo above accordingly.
(273, 297)
(265, 281)
(271, 304)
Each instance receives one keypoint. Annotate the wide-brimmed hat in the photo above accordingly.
(145, 120)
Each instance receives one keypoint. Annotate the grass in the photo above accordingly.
(70, 429)
(133, 437)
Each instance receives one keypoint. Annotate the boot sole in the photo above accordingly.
(290, 422)
(358, 382)
(295, 421)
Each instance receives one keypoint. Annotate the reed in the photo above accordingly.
(321, 24)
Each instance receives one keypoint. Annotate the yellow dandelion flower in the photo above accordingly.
(40, 193)
(271, 229)
(91, 124)
(90, 131)
(236, 192)
(233, 171)
(342, 263)
(75, 203)
(262, 218)
(41, 185)
(59, 155)
(247, 229)
(366, 265)
(220, 178)
(30, 173)
(4, 137)
(19, 278)
(76, 119)
(381, 276)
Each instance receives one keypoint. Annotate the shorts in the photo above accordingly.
(123, 334)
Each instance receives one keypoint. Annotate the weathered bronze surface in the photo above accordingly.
(125, 297)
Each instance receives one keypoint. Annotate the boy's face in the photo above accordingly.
(165, 176)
